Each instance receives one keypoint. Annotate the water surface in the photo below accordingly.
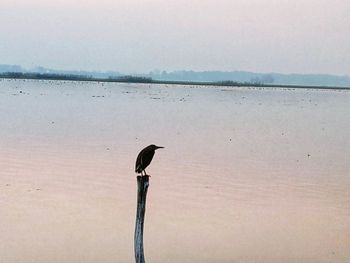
(247, 175)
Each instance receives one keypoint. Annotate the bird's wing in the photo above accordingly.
(146, 158)
(138, 164)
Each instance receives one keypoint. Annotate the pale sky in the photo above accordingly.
(286, 36)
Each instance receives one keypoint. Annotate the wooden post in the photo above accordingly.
(142, 186)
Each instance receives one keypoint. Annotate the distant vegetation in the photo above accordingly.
(20, 75)
(251, 77)
(213, 78)
(238, 84)
(133, 79)
(50, 76)
(126, 79)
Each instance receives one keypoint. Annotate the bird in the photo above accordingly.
(144, 158)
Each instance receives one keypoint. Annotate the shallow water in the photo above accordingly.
(247, 175)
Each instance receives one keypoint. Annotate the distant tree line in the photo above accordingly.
(127, 79)
(133, 79)
(263, 81)
(52, 76)
(238, 84)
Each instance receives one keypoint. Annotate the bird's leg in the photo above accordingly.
(146, 174)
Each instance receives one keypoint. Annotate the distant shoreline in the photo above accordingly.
(144, 80)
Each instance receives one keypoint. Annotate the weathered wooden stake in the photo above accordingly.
(142, 186)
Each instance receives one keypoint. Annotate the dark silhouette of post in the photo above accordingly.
(142, 186)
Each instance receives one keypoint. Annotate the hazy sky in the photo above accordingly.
(301, 36)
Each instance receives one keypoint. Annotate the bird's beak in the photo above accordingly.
(159, 147)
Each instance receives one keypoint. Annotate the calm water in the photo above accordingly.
(247, 175)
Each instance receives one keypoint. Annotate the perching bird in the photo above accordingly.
(144, 158)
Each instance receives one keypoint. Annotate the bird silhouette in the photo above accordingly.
(144, 158)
